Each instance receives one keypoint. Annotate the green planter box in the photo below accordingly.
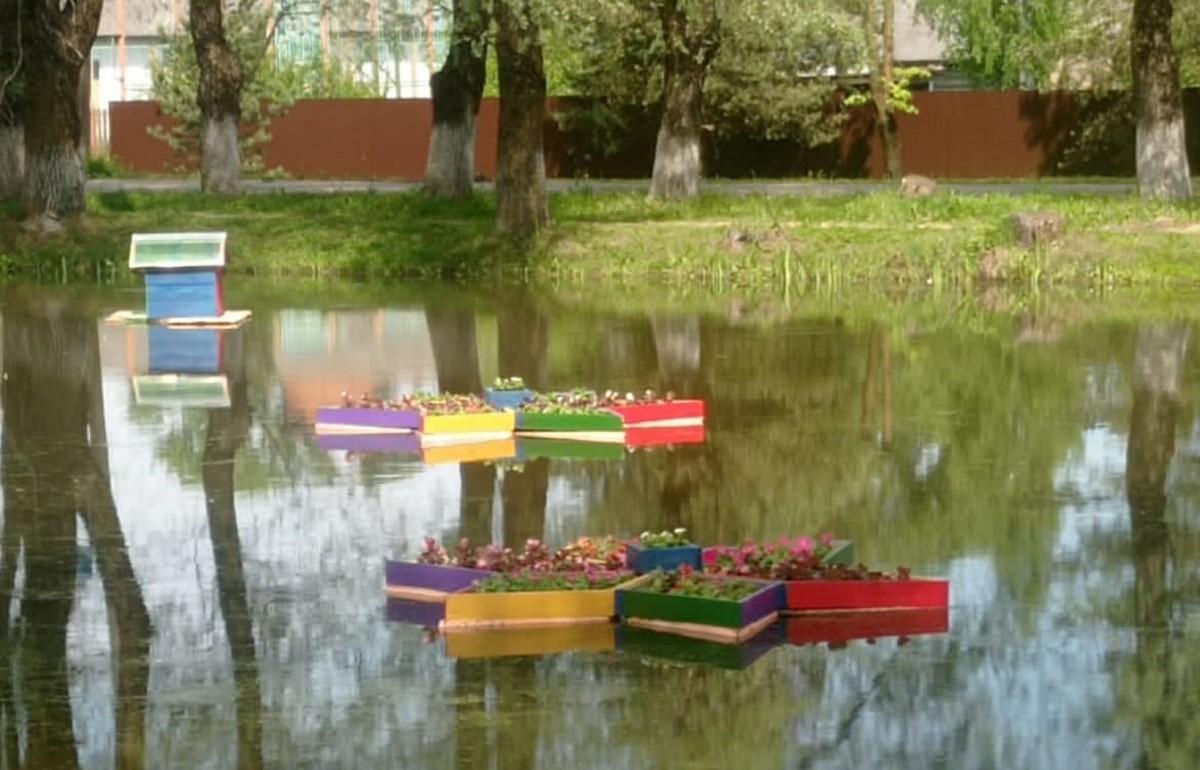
(582, 422)
(716, 620)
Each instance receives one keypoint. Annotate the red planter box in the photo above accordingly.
(842, 595)
(665, 414)
(842, 627)
(636, 437)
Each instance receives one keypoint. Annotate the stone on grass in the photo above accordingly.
(1037, 228)
(917, 186)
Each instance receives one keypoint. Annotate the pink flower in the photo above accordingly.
(827, 539)
(804, 546)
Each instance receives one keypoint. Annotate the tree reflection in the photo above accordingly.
(456, 355)
(1166, 717)
(524, 347)
(226, 433)
(55, 470)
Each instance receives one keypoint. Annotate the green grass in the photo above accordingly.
(718, 241)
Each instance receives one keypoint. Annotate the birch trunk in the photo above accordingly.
(689, 52)
(1162, 161)
(219, 97)
(457, 89)
(12, 159)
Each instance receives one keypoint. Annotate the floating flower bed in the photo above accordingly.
(507, 393)
(570, 413)
(651, 410)
(681, 649)
(837, 629)
(666, 550)
(438, 572)
(814, 585)
(533, 598)
(509, 642)
(714, 608)
(422, 413)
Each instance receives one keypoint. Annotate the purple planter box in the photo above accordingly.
(424, 614)
(642, 560)
(397, 443)
(428, 582)
(386, 419)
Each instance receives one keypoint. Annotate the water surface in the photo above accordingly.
(201, 586)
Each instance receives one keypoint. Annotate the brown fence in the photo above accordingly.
(961, 134)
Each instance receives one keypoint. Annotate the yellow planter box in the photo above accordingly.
(468, 610)
(484, 422)
(506, 642)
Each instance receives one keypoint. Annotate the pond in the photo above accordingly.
(187, 579)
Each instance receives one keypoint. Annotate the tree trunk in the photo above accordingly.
(677, 165)
(1162, 162)
(521, 204)
(12, 159)
(677, 151)
(457, 88)
(881, 60)
(219, 97)
(57, 45)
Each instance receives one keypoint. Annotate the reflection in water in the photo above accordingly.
(55, 471)
(226, 433)
(996, 457)
(1167, 736)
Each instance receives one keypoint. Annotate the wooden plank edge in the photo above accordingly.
(416, 594)
(344, 429)
(451, 626)
(436, 440)
(676, 422)
(598, 437)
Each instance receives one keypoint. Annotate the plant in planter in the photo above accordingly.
(435, 574)
(666, 550)
(781, 559)
(508, 393)
(688, 603)
(532, 597)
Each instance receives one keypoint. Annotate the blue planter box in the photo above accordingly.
(183, 294)
(642, 560)
(507, 399)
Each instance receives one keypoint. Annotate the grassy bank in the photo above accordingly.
(718, 240)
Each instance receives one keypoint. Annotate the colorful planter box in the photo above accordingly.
(415, 613)
(433, 450)
(640, 437)
(467, 610)
(507, 399)
(363, 443)
(842, 627)
(337, 419)
(511, 642)
(570, 422)
(663, 414)
(642, 560)
(681, 649)
(844, 595)
(715, 620)
(531, 448)
(428, 582)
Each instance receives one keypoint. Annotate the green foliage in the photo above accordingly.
(674, 538)
(269, 86)
(686, 583)
(900, 95)
(104, 166)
